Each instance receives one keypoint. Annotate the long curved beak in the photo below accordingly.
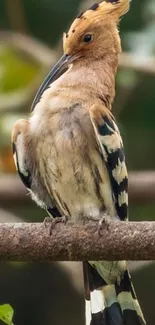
(60, 67)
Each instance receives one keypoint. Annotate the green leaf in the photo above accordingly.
(6, 314)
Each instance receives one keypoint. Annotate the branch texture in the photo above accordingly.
(76, 242)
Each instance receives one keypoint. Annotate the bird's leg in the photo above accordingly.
(50, 222)
(104, 223)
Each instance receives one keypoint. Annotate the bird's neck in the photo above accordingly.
(96, 77)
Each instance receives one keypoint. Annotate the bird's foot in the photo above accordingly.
(104, 223)
(50, 222)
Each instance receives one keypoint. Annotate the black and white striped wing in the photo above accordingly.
(111, 146)
(25, 172)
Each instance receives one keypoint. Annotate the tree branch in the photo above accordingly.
(76, 242)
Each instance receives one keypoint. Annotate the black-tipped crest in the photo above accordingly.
(112, 1)
(80, 14)
(94, 7)
(114, 8)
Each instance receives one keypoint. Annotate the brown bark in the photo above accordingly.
(118, 241)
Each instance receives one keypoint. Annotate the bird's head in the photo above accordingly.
(92, 35)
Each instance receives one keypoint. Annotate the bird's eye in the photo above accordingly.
(88, 38)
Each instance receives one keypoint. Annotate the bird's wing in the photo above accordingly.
(111, 147)
(19, 152)
(107, 281)
(23, 166)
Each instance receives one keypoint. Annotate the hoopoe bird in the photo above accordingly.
(70, 156)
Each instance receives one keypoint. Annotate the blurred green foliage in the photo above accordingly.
(16, 71)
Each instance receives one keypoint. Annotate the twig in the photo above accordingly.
(76, 242)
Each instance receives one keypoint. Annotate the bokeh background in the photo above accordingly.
(30, 43)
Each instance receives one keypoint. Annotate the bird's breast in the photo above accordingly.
(70, 163)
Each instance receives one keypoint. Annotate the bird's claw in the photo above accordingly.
(64, 219)
(50, 222)
(103, 223)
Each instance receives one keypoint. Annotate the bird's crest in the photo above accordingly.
(106, 12)
(113, 8)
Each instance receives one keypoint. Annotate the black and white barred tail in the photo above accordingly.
(107, 303)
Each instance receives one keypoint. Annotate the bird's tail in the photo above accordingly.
(110, 296)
